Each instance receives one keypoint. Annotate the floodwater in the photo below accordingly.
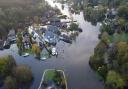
(72, 58)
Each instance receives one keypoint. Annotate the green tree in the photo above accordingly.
(123, 11)
(122, 55)
(7, 64)
(122, 23)
(105, 37)
(115, 80)
(73, 27)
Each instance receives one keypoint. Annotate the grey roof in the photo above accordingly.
(50, 37)
(11, 33)
(53, 29)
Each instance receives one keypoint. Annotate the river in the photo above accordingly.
(72, 58)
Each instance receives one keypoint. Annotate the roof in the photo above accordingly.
(50, 37)
(11, 33)
(53, 29)
(54, 19)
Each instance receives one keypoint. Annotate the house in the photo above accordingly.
(53, 29)
(26, 41)
(44, 20)
(1, 44)
(55, 21)
(49, 13)
(12, 36)
(112, 13)
(41, 31)
(50, 37)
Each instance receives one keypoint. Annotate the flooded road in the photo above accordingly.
(73, 58)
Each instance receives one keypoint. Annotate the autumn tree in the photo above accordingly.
(23, 74)
(36, 50)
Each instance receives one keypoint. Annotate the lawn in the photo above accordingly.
(49, 75)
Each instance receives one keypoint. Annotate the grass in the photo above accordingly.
(49, 75)
(119, 37)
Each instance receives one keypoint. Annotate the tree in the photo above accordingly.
(122, 55)
(73, 27)
(122, 23)
(23, 74)
(124, 71)
(115, 80)
(105, 37)
(107, 28)
(123, 11)
(36, 50)
(10, 83)
(7, 64)
(97, 60)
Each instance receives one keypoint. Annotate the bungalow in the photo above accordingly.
(50, 13)
(50, 37)
(53, 29)
(55, 21)
(12, 36)
(26, 41)
(44, 20)
(1, 44)
(111, 13)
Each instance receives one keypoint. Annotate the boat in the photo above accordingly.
(25, 54)
(53, 79)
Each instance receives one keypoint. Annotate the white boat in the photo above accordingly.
(25, 54)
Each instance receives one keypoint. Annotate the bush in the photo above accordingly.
(10, 83)
(23, 74)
